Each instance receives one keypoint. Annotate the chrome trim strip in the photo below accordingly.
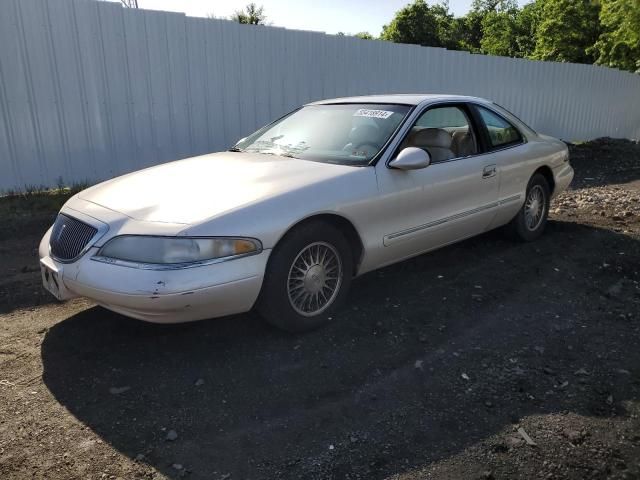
(510, 199)
(457, 216)
(169, 266)
(441, 221)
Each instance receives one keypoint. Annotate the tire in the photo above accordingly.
(282, 299)
(526, 227)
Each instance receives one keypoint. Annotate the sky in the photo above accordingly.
(330, 16)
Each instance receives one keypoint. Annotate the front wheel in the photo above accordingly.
(307, 278)
(531, 220)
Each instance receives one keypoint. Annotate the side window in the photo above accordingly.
(501, 133)
(444, 132)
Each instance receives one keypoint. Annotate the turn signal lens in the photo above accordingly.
(243, 246)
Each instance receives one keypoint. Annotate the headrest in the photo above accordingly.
(459, 135)
(431, 137)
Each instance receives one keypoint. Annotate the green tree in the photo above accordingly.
(493, 19)
(468, 31)
(365, 36)
(446, 24)
(526, 25)
(491, 27)
(493, 5)
(251, 15)
(421, 24)
(510, 31)
(619, 43)
(499, 33)
(567, 31)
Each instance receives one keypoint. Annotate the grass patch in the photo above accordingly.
(36, 201)
(33, 209)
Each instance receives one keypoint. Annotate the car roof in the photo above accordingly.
(401, 98)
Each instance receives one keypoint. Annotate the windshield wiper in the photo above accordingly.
(235, 149)
(275, 154)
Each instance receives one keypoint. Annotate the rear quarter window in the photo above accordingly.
(501, 132)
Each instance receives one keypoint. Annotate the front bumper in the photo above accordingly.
(167, 296)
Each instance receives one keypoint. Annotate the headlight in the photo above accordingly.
(175, 250)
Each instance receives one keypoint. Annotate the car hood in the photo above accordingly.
(192, 190)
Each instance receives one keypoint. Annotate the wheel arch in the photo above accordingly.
(547, 173)
(341, 223)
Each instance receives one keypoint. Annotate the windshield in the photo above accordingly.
(349, 134)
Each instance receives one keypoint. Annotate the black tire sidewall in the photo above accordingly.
(519, 222)
(273, 302)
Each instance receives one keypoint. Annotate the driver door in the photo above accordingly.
(455, 197)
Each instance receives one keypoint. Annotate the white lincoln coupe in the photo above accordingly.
(285, 219)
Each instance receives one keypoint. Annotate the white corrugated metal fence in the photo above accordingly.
(90, 90)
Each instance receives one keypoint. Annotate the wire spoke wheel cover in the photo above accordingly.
(534, 208)
(314, 279)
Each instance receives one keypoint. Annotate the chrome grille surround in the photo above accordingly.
(70, 238)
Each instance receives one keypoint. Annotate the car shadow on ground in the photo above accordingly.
(427, 358)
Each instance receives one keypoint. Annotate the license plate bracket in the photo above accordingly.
(52, 280)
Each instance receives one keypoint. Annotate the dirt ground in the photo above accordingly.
(432, 370)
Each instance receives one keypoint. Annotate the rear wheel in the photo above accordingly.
(531, 220)
(307, 278)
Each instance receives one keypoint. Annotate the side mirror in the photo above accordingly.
(411, 158)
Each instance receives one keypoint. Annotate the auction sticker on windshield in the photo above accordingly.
(363, 112)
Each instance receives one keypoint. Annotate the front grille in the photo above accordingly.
(69, 237)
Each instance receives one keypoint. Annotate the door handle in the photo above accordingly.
(489, 171)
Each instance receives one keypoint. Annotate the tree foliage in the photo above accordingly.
(619, 42)
(468, 31)
(499, 33)
(421, 24)
(606, 32)
(527, 22)
(508, 30)
(365, 36)
(250, 15)
(567, 30)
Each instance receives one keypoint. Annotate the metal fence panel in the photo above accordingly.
(90, 90)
